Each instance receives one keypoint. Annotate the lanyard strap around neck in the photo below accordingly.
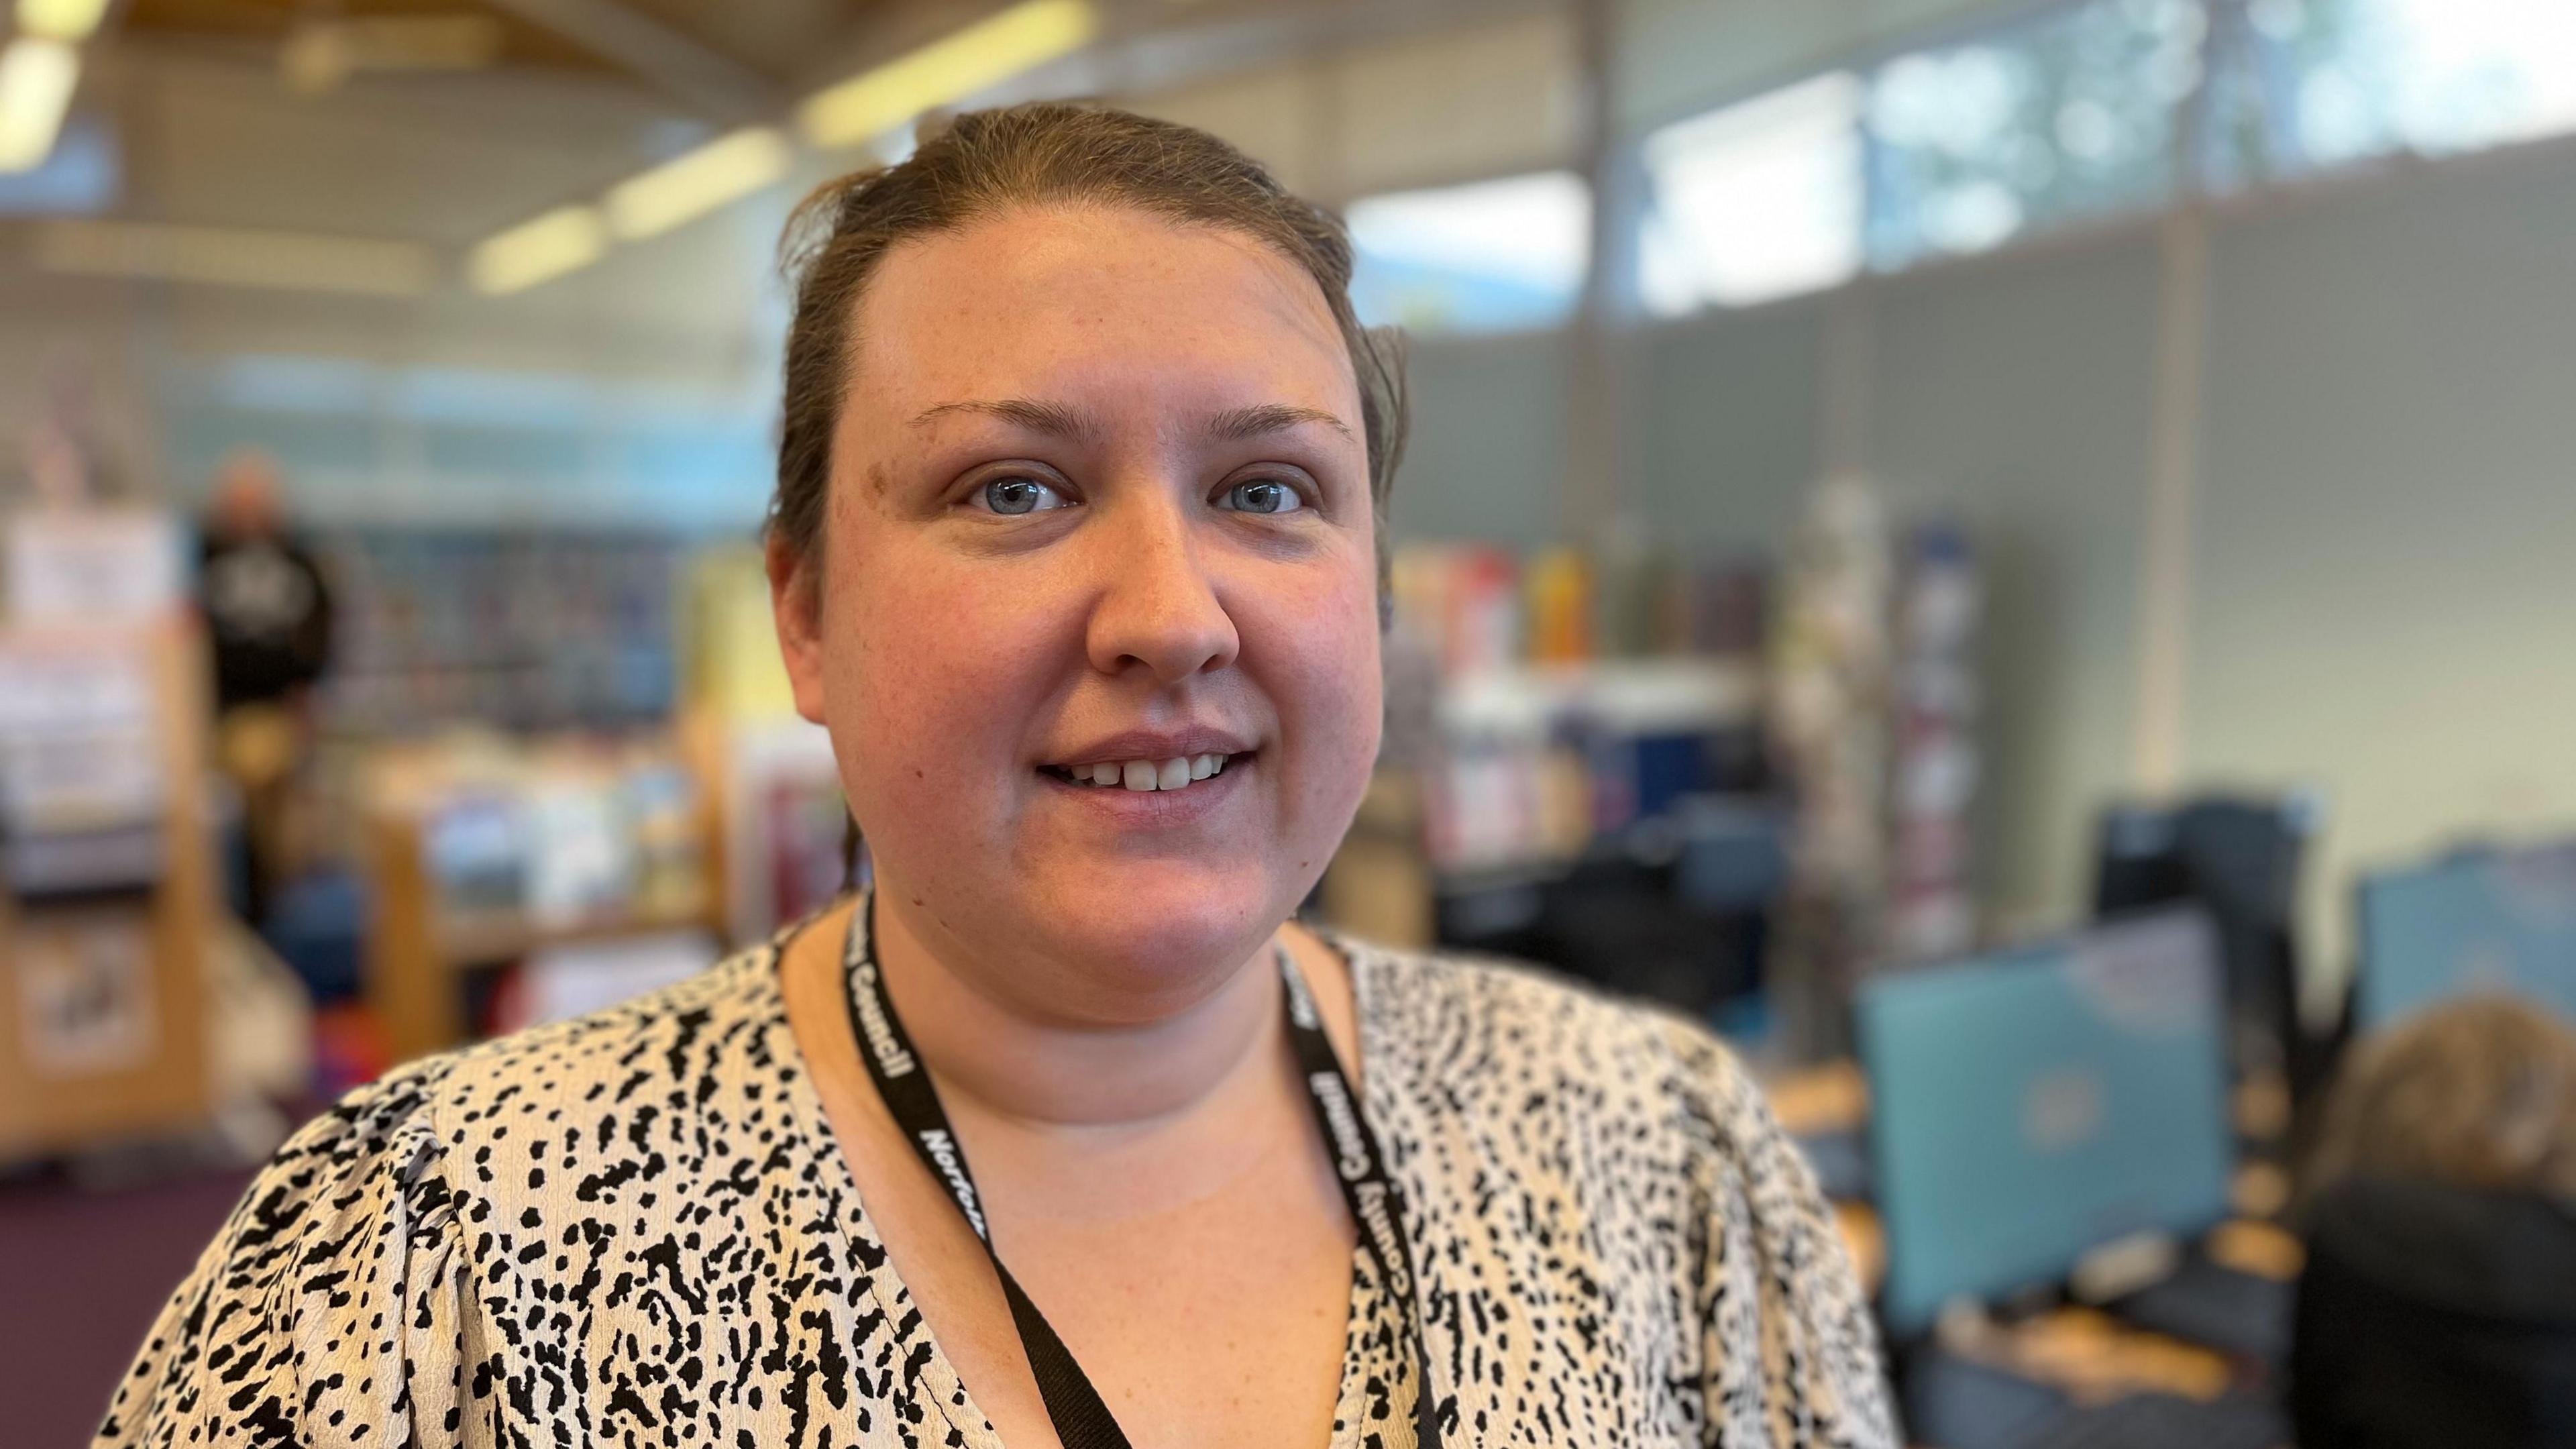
(1081, 1419)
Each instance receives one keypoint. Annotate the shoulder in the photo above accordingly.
(463, 1099)
(594, 1115)
(389, 1137)
(1569, 1134)
(674, 1035)
(411, 1126)
(344, 1252)
(1504, 1033)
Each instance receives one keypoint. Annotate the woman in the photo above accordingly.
(1076, 553)
(2438, 1309)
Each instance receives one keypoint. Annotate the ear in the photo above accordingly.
(796, 605)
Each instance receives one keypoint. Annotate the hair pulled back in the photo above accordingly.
(2479, 1093)
(1041, 154)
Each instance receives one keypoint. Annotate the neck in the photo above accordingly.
(1008, 1055)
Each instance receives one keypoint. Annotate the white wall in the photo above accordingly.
(1463, 104)
(1678, 56)
(1721, 427)
(2385, 569)
(1488, 443)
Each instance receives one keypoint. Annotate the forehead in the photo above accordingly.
(1104, 305)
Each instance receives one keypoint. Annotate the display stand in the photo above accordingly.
(104, 1016)
(419, 945)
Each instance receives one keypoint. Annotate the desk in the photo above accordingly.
(1820, 1101)
(2082, 1353)
(2090, 1356)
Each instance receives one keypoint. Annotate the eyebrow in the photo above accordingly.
(1239, 424)
(1054, 419)
(1057, 420)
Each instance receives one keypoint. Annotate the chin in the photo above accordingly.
(1160, 933)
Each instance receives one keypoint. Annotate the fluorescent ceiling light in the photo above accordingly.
(224, 256)
(689, 187)
(36, 81)
(60, 19)
(565, 239)
(319, 55)
(980, 56)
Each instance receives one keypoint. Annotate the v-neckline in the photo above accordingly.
(955, 1402)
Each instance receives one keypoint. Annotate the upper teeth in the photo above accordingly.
(1171, 774)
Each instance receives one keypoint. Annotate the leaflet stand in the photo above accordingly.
(103, 1002)
(420, 945)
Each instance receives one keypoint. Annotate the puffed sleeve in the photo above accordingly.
(1792, 1353)
(329, 1311)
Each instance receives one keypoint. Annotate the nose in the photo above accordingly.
(1156, 606)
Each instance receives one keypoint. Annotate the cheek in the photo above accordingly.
(934, 680)
(1327, 683)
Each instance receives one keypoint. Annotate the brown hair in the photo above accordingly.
(2480, 1093)
(1033, 155)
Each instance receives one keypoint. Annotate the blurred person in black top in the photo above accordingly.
(267, 606)
(2439, 1303)
(268, 617)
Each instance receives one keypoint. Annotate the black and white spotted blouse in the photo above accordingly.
(637, 1229)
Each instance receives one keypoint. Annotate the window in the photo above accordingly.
(407, 444)
(2319, 83)
(2068, 115)
(2077, 112)
(1496, 256)
(1755, 201)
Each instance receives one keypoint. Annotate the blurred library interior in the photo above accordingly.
(2014, 558)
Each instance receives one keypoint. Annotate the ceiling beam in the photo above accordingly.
(714, 85)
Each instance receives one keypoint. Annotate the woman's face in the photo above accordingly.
(1099, 511)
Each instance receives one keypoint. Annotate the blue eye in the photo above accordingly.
(1012, 496)
(1261, 495)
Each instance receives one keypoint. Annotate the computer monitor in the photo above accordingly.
(2501, 920)
(2032, 1105)
(2238, 859)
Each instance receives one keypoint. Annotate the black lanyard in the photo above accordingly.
(1081, 1420)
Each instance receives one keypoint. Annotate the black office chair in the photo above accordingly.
(2239, 859)
(1677, 914)
(2432, 1317)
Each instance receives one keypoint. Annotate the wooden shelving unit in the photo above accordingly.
(418, 946)
(142, 1069)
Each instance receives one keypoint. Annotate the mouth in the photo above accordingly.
(1177, 773)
